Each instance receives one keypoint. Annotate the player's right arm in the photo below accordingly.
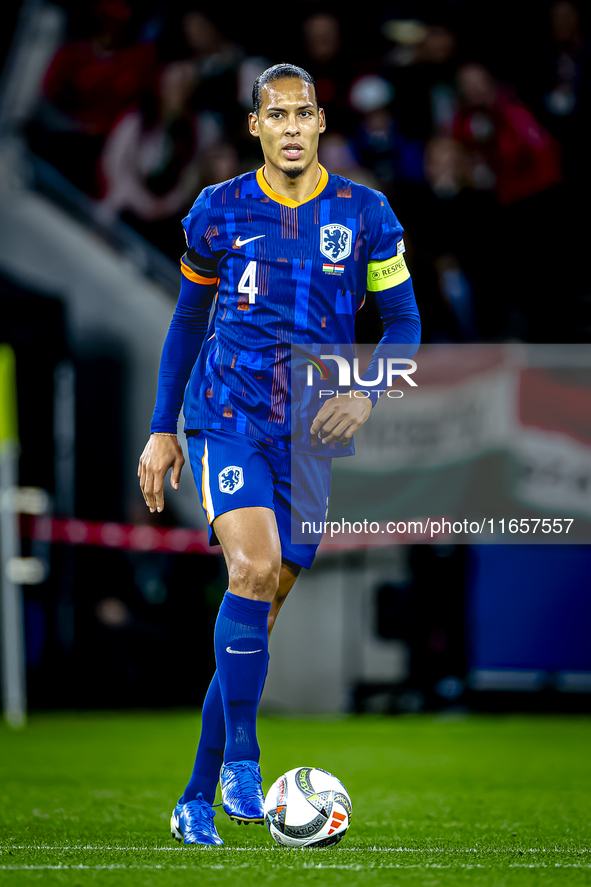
(181, 349)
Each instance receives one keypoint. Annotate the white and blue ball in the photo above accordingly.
(308, 807)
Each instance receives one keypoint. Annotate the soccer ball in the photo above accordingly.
(307, 807)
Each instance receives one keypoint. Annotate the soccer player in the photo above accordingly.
(286, 255)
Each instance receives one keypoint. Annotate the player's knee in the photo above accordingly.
(258, 575)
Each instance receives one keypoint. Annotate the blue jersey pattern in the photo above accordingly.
(289, 274)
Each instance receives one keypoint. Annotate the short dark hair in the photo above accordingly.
(279, 72)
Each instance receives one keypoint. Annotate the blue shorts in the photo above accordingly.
(233, 471)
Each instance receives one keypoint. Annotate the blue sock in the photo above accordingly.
(210, 751)
(241, 652)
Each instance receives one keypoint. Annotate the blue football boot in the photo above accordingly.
(193, 823)
(242, 796)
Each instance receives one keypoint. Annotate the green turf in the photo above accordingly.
(86, 799)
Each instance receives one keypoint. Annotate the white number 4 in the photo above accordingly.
(248, 282)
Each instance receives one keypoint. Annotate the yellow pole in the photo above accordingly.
(12, 646)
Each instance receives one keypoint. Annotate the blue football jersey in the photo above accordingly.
(289, 274)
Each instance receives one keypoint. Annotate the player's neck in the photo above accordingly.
(295, 189)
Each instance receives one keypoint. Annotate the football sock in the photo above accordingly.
(210, 751)
(241, 651)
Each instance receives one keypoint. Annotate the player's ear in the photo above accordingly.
(322, 119)
(253, 125)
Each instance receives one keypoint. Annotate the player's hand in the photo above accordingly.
(339, 418)
(162, 452)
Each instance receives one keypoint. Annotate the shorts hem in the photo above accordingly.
(300, 559)
(212, 534)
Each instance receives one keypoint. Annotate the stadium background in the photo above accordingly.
(473, 119)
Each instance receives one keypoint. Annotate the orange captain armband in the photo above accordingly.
(196, 278)
(198, 269)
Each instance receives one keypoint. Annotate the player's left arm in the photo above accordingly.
(389, 279)
(391, 283)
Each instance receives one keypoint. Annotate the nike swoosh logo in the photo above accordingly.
(243, 652)
(239, 242)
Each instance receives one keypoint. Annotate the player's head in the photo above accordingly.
(283, 71)
(286, 118)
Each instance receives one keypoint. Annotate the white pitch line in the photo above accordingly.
(347, 867)
(274, 849)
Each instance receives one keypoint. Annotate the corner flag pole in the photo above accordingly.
(12, 645)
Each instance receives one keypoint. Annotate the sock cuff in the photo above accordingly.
(245, 610)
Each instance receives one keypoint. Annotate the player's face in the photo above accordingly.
(288, 124)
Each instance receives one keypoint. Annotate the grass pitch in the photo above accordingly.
(480, 800)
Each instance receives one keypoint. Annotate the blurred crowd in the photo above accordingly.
(471, 118)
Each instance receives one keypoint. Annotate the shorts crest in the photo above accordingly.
(230, 479)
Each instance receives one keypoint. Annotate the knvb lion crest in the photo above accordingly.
(230, 479)
(335, 242)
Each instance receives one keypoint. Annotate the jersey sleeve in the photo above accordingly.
(197, 227)
(386, 266)
(185, 337)
(389, 279)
